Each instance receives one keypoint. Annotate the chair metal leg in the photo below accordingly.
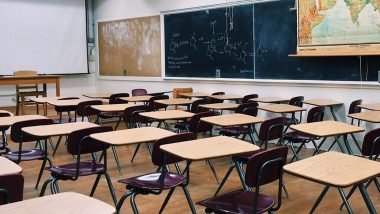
(133, 203)
(315, 146)
(166, 200)
(95, 184)
(40, 173)
(149, 148)
(54, 186)
(112, 191)
(213, 170)
(117, 124)
(189, 200)
(285, 190)
(56, 146)
(345, 201)
(116, 159)
(136, 150)
(43, 188)
(121, 201)
(323, 193)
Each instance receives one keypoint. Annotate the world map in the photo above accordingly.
(338, 22)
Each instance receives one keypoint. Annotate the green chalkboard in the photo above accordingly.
(250, 41)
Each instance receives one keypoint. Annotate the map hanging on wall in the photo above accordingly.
(130, 47)
(349, 27)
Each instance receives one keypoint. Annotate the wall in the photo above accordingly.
(347, 92)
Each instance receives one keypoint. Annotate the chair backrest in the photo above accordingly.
(198, 126)
(195, 105)
(271, 129)
(25, 73)
(84, 108)
(139, 92)
(131, 114)
(14, 185)
(316, 114)
(354, 108)
(371, 143)
(296, 101)
(115, 98)
(217, 100)
(18, 136)
(156, 106)
(4, 114)
(249, 108)
(78, 141)
(158, 156)
(247, 98)
(176, 91)
(269, 172)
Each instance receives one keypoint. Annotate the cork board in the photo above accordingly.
(130, 47)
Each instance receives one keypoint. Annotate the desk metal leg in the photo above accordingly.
(366, 198)
(332, 113)
(323, 193)
(345, 201)
(356, 142)
(349, 150)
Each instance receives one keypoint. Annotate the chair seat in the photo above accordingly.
(151, 181)
(110, 115)
(234, 131)
(298, 137)
(238, 202)
(69, 170)
(26, 155)
(243, 158)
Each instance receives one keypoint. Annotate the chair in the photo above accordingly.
(270, 129)
(157, 106)
(23, 91)
(197, 126)
(249, 108)
(315, 114)
(156, 183)
(262, 168)
(114, 99)
(11, 188)
(68, 109)
(371, 149)
(3, 130)
(176, 91)
(247, 98)
(17, 136)
(139, 92)
(295, 101)
(84, 109)
(354, 108)
(79, 143)
(213, 100)
(132, 119)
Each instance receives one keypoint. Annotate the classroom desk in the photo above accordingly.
(371, 106)
(64, 103)
(324, 103)
(8, 167)
(334, 169)
(220, 106)
(57, 129)
(159, 93)
(98, 95)
(8, 112)
(40, 79)
(226, 97)
(112, 108)
(368, 116)
(194, 94)
(44, 101)
(8, 121)
(329, 128)
(210, 148)
(281, 108)
(162, 116)
(144, 98)
(270, 99)
(234, 119)
(132, 136)
(175, 102)
(61, 203)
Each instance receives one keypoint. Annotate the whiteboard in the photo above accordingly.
(48, 36)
